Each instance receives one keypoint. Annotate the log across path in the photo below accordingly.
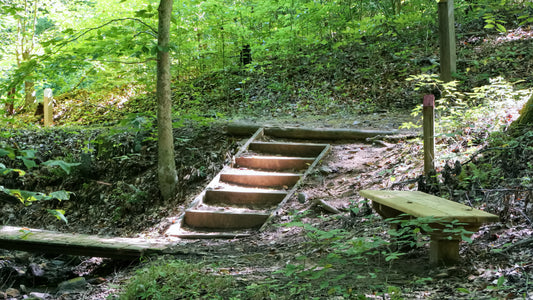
(44, 241)
(240, 200)
(307, 133)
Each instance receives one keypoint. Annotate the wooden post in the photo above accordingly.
(447, 40)
(48, 107)
(428, 111)
(443, 250)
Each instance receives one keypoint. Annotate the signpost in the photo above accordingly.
(48, 107)
(428, 111)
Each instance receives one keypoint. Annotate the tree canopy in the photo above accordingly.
(104, 44)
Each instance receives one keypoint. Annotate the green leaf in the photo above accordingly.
(9, 153)
(60, 195)
(62, 164)
(29, 163)
(29, 153)
(501, 28)
(501, 281)
(59, 214)
(466, 238)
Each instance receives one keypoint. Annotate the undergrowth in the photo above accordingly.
(176, 279)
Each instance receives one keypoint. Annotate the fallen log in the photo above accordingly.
(44, 241)
(240, 129)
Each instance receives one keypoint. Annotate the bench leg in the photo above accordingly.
(443, 250)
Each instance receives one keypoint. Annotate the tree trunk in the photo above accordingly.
(166, 167)
(29, 95)
(10, 103)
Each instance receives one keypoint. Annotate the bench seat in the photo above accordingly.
(444, 247)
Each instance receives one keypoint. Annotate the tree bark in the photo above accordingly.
(29, 95)
(166, 167)
(10, 104)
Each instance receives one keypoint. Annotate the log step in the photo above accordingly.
(255, 198)
(288, 149)
(273, 162)
(224, 220)
(260, 179)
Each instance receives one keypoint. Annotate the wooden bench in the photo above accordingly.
(444, 246)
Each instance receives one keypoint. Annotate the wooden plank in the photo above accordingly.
(443, 250)
(273, 162)
(260, 179)
(420, 204)
(245, 197)
(307, 133)
(288, 149)
(182, 231)
(43, 241)
(224, 220)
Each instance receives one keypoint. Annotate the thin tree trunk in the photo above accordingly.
(29, 95)
(10, 104)
(166, 167)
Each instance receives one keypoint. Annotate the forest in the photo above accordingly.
(116, 114)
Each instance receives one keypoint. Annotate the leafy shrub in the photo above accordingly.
(28, 159)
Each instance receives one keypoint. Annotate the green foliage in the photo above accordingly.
(28, 197)
(176, 279)
(456, 109)
(408, 229)
(65, 166)
(496, 14)
(28, 158)
(320, 270)
(339, 250)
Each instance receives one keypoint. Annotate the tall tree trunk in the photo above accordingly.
(166, 167)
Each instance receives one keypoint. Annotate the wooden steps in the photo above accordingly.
(237, 202)
(243, 196)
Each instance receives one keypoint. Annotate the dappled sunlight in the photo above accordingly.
(520, 33)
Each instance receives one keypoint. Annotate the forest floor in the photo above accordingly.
(351, 166)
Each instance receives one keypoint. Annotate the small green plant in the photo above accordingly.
(325, 273)
(408, 229)
(177, 279)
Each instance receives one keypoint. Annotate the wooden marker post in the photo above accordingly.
(448, 56)
(428, 111)
(48, 107)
